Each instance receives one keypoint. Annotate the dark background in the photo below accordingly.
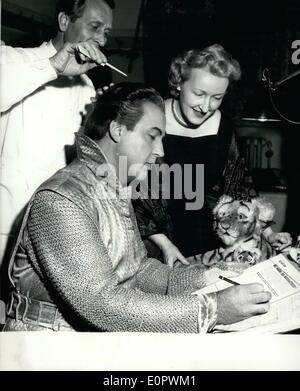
(259, 33)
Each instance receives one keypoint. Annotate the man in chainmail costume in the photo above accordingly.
(79, 262)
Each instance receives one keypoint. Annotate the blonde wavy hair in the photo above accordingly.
(218, 61)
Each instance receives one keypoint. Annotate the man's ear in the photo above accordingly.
(63, 21)
(115, 131)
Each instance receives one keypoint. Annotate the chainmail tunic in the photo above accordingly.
(81, 249)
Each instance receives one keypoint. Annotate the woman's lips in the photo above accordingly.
(199, 113)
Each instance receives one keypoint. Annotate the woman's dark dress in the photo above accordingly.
(191, 230)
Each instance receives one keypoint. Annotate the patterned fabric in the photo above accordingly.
(152, 216)
(238, 182)
(208, 315)
(151, 212)
(19, 325)
(246, 252)
(85, 255)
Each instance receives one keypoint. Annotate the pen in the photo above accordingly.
(286, 246)
(228, 280)
(107, 63)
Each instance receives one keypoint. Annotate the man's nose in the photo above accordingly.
(158, 149)
(101, 38)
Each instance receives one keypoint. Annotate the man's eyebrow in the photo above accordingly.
(100, 22)
(96, 21)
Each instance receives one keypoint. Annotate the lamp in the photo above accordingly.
(259, 106)
(284, 96)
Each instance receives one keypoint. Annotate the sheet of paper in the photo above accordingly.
(280, 277)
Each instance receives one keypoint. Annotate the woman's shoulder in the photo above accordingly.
(227, 124)
(226, 119)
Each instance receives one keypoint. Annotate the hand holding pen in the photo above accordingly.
(239, 302)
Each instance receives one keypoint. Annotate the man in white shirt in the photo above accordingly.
(44, 94)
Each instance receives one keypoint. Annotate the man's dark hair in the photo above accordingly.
(75, 8)
(122, 103)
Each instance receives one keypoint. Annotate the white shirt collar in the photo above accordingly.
(209, 128)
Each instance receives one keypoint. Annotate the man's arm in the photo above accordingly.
(20, 78)
(233, 304)
(67, 248)
(65, 245)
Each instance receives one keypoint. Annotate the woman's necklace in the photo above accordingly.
(176, 115)
(182, 122)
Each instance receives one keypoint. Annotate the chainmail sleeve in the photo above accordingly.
(65, 246)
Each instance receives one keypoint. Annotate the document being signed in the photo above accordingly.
(280, 277)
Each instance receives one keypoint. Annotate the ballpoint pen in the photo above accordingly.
(104, 64)
(228, 280)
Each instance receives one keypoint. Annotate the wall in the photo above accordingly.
(44, 7)
(125, 21)
(21, 21)
(126, 14)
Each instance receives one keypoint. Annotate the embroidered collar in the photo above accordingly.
(93, 156)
